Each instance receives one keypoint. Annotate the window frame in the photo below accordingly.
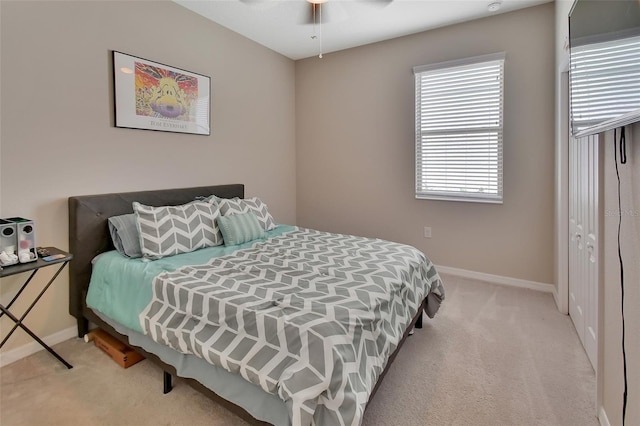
(494, 157)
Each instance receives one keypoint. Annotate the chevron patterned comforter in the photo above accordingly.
(309, 316)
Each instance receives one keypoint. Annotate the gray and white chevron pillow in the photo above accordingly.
(169, 230)
(233, 206)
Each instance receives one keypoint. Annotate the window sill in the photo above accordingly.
(458, 199)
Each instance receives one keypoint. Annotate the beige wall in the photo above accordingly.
(57, 131)
(355, 147)
(611, 378)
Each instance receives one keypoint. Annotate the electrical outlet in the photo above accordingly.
(427, 232)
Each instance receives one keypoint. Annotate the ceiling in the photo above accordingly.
(286, 25)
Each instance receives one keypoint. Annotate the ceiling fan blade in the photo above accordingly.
(260, 4)
(379, 3)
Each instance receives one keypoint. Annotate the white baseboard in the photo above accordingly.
(602, 416)
(23, 351)
(497, 279)
(556, 297)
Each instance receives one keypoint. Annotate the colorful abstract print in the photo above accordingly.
(162, 93)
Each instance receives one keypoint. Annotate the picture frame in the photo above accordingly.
(150, 95)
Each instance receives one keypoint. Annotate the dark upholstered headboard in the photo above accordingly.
(89, 232)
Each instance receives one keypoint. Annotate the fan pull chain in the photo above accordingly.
(313, 37)
(318, 23)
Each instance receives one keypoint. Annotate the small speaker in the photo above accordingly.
(8, 243)
(26, 236)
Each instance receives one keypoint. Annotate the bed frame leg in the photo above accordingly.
(419, 321)
(167, 382)
(83, 326)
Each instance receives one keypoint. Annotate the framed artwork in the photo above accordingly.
(154, 96)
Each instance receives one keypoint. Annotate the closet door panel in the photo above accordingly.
(584, 186)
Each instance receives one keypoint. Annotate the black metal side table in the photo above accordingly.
(33, 267)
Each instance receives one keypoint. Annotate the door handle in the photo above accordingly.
(591, 250)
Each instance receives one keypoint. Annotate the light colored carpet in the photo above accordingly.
(493, 355)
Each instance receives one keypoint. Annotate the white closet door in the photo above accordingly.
(584, 217)
(576, 244)
(592, 252)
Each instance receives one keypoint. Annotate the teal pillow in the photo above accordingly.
(240, 228)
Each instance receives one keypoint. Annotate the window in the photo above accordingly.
(459, 129)
(605, 81)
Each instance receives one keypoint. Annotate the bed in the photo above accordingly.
(294, 327)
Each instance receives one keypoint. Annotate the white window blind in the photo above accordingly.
(459, 129)
(605, 81)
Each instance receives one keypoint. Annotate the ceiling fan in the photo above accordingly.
(319, 12)
(323, 11)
